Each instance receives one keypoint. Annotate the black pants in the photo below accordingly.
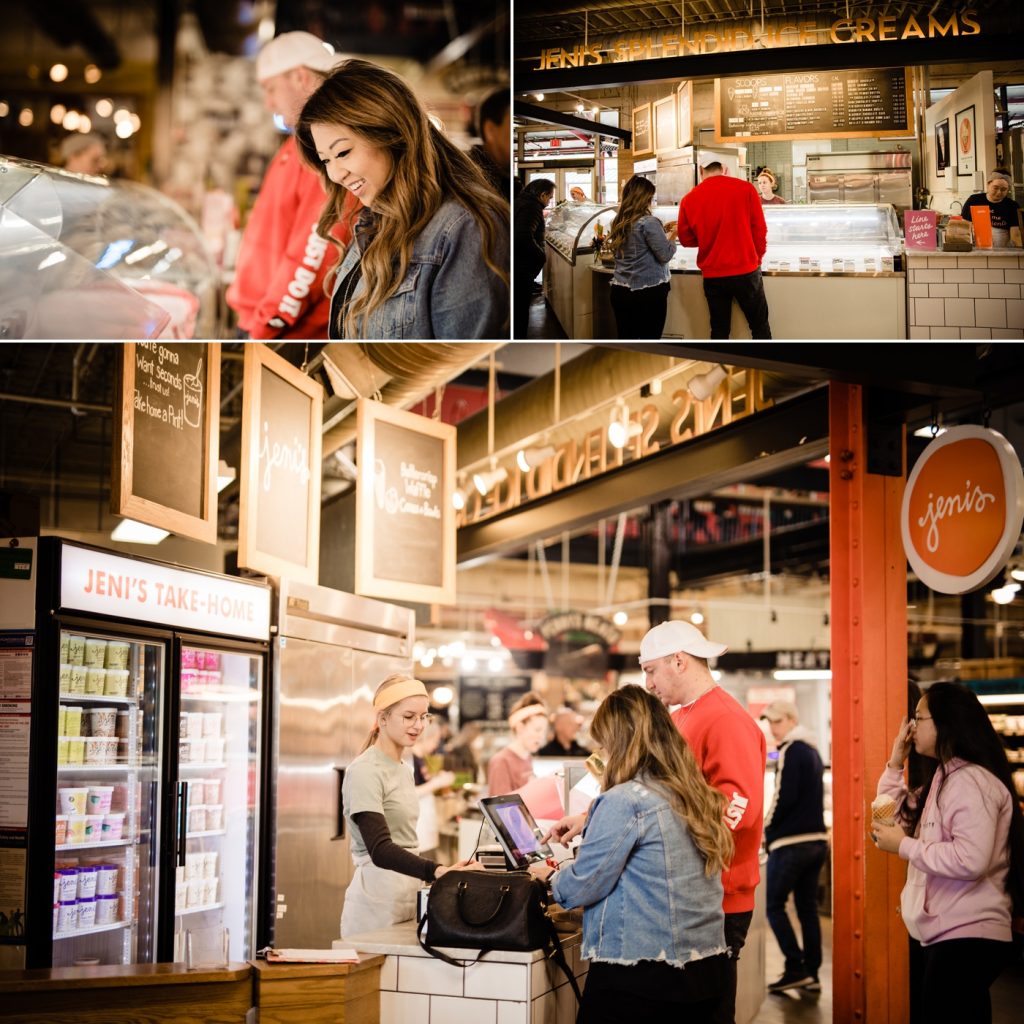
(748, 291)
(523, 296)
(736, 927)
(640, 314)
(949, 981)
(795, 869)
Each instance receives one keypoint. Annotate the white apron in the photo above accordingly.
(377, 898)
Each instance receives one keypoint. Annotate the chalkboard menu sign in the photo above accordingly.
(489, 698)
(166, 436)
(279, 511)
(643, 139)
(405, 522)
(859, 103)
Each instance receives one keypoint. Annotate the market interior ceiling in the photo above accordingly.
(55, 431)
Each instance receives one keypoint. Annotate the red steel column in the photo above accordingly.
(869, 696)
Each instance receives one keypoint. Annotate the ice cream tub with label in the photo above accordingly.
(116, 683)
(106, 879)
(87, 882)
(117, 654)
(113, 826)
(95, 651)
(107, 908)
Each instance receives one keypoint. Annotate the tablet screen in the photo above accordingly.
(515, 828)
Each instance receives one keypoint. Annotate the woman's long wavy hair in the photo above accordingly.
(964, 730)
(639, 738)
(637, 196)
(378, 107)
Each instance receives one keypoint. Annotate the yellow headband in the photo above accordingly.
(524, 713)
(398, 690)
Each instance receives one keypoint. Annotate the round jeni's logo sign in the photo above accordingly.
(963, 509)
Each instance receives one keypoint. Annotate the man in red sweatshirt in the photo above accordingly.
(278, 290)
(730, 749)
(722, 217)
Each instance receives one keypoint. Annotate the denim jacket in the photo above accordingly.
(642, 261)
(640, 880)
(448, 291)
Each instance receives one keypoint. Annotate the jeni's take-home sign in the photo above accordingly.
(279, 514)
(963, 509)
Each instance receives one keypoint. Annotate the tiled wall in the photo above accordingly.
(965, 296)
(422, 990)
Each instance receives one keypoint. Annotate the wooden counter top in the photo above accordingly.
(266, 971)
(115, 976)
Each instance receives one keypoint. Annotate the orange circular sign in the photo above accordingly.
(962, 509)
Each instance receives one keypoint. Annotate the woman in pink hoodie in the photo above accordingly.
(962, 835)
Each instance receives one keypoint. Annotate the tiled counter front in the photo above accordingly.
(966, 295)
(506, 988)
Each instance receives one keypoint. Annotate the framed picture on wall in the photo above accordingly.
(665, 124)
(643, 141)
(684, 113)
(966, 138)
(942, 147)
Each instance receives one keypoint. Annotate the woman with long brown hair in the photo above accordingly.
(643, 248)
(430, 252)
(648, 872)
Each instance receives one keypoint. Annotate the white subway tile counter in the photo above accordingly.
(976, 294)
(504, 988)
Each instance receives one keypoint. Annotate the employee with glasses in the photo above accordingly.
(382, 808)
(962, 834)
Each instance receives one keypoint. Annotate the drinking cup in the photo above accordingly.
(76, 650)
(73, 800)
(95, 651)
(95, 679)
(76, 683)
(117, 654)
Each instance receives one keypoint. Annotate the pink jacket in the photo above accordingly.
(956, 878)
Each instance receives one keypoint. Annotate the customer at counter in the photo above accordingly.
(648, 873)
(512, 767)
(1004, 211)
(430, 253)
(642, 248)
(382, 807)
(530, 254)
(722, 217)
(566, 724)
(767, 185)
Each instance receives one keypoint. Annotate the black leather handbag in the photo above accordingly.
(490, 910)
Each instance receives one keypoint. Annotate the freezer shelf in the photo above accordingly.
(94, 930)
(72, 847)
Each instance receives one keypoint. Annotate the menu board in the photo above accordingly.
(166, 440)
(490, 698)
(279, 514)
(405, 523)
(858, 103)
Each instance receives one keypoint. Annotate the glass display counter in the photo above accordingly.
(87, 257)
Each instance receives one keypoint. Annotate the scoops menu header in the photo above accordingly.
(107, 584)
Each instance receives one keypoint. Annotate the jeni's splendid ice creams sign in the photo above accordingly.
(106, 584)
(962, 509)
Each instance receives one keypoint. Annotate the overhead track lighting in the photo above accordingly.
(530, 458)
(486, 482)
(622, 428)
(704, 385)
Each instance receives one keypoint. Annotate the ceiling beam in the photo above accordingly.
(532, 112)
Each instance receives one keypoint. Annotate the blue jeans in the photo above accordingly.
(795, 869)
(748, 291)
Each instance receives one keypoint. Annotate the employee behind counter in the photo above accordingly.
(1005, 212)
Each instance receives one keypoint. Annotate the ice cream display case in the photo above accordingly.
(89, 257)
(569, 235)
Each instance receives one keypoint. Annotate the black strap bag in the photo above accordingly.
(490, 910)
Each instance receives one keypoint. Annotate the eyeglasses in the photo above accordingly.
(922, 718)
(408, 718)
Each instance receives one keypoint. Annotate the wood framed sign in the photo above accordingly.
(966, 143)
(166, 436)
(851, 104)
(665, 131)
(643, 141)
(282, 425)
(405, 521)
(684, 113)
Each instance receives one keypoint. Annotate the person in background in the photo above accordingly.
(797, 843)
(512, 767)
(430, 256)
(1004, 210)
(461, 753)
(382, 807)
(84, 153)
(730, 750)
(648, 873)
(577, 195)
(494, 155)
(566, 724)
(723, 218)
(428, 784)
(640, 282)
(277, 291)
(962, 835)
(530, 254)
(767, 185)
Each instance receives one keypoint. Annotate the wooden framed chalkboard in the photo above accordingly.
(665, 124)
(852, 104)
(643, 139)
(684, 113)
(405, 521)
(166, 436)
(282, 424)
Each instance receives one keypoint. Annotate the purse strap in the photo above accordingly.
(460, 891)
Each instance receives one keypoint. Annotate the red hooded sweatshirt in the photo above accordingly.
(722, 216)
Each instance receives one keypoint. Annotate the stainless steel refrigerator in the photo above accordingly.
(146, 795)
(333, 649)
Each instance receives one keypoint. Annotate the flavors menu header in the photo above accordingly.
(863, 102)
